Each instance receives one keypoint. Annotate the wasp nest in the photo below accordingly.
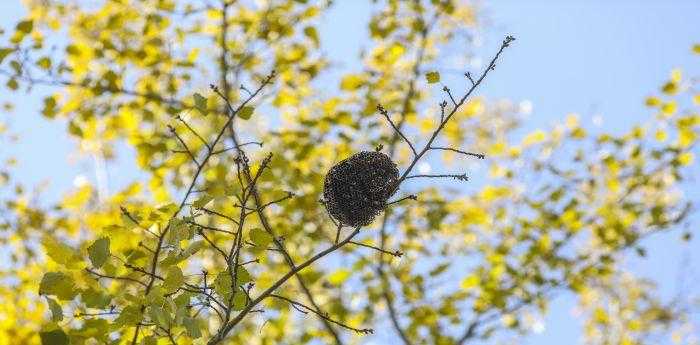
(357, 188)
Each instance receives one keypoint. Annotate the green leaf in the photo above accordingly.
(44, 63)
(239, 300)
(192, 327)
(25, 26)
(60, 252)
(173, 279)
(246, 112)
(160, 316)
(191, 250)
(99, 252)
(129, 316)
(12, 84)
(260, 237)
(54, 337)
(56, 310)
(432, 77)
(59, 285)
(222, 284)
(50, 108)
(200, 102)
(95, 299)
(312, 34)
(4, 52)
(202, 201)
(74, 129)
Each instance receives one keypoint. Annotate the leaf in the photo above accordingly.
(192, 327)
(200, 103)
(130, 315)
(25, 26)
(191, 250)
(160, 316)
(246, 112)
(44, 63)
(312, 34)
(432, 77)
(60, 252)
(260, 237)
(95, 299)
(352, 82)
(173, 279)
(54, 337)
(99, 252)
(239, 300)
(202, 201)
(4, 52)
(56, 310)
(74, 129)
(339, 276)
(59, 285)
(222, 283)
(50, 108)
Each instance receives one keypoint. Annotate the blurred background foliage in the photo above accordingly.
(560, 209)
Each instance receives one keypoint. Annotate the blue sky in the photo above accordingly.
(594, 58)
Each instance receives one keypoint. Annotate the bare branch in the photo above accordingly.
(410, 197)
(182, 142)
(206, 144)
(303, 309)
(477, 155)
(461, 177)
(383, 111)
(396, 253)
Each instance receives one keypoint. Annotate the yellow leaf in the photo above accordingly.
(686, 158)
(339, 276)
(470, 282)
(661, 135)
(535, 137)
(653, 101)
(352, 82)
(669, 108)
(676, 75)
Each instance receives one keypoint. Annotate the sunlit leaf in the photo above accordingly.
(246, 112)
(432, 77)
(99, 252)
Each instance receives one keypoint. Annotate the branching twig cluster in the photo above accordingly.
(249, 203)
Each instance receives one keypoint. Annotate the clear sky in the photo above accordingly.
(595, 58)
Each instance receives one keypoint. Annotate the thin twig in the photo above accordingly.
(383, 111)
(461, 177)
(303, 309)
(396, 253)
(477, 155)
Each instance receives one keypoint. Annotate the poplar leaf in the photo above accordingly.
(25, 26)
(174, 279)
(54, 337)
(56, 310)
(99, 252)
(200, 102)
(202, 201)
(59, 285)
(432, 77)
(260, 237)
(246, 112)
(192, 327)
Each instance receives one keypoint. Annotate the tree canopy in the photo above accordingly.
(224, 237)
